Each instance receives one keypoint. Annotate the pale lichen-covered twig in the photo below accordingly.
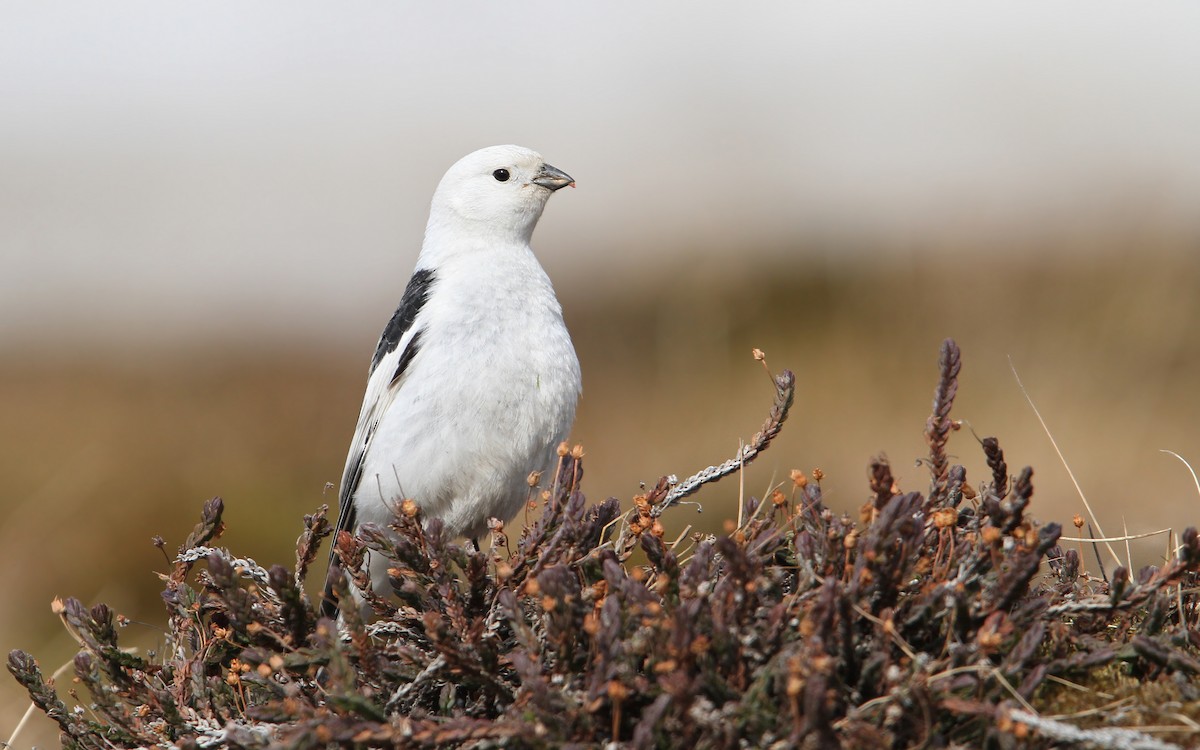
(244, 565)
(1104, 737)
(785, 392)
(425, 674)
(1132, 597)
(210, 734)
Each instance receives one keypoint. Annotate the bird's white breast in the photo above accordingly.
(489, 395)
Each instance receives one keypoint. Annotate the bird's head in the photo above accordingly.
(499, 190)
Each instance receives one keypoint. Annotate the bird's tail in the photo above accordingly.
(329, 600)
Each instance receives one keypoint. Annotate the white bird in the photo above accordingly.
(475, 380)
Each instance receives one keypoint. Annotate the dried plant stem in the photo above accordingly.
(1134, 595)
(1113, 538)
(1080, 688)
(1063, 459)
(785, 392)
(938, 426)
(12, 739)
(416, 682)
(999, 677)
(1195, 479)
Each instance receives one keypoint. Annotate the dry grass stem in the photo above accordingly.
(1062, 459)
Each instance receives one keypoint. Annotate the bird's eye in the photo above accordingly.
(501, 175)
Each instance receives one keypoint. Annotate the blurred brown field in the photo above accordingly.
(103, 450)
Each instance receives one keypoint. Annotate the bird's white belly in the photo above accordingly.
(479, 409)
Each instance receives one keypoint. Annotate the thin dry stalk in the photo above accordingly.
(1062, 459)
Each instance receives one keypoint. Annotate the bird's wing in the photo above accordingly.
(397, 346)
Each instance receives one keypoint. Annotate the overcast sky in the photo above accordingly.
(168, 164)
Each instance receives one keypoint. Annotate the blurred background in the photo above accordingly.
(207, 213)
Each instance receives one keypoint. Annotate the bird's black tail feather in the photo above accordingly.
(329, 600)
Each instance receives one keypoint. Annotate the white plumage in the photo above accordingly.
(475, 380)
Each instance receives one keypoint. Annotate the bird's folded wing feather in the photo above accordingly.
(398, 345)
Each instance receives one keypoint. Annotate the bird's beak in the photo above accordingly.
(550, 177)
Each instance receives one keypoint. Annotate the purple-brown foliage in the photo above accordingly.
(939, 424)
(926, 623)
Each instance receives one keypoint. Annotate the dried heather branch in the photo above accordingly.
(209, 528)
(1164, 656)
(880, 481)
(938, 426)
(800, 627)
(243, 565)
(785, 393)
(995, 461)
(955, 480)
(1133, 596)
(25, 669)
(1013, 583)
(316, 528)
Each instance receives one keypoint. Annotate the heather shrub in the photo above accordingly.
(949, 617)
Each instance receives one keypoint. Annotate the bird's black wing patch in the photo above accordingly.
(347, 520)
(415, 296)
(349, 484)
(410, 351)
